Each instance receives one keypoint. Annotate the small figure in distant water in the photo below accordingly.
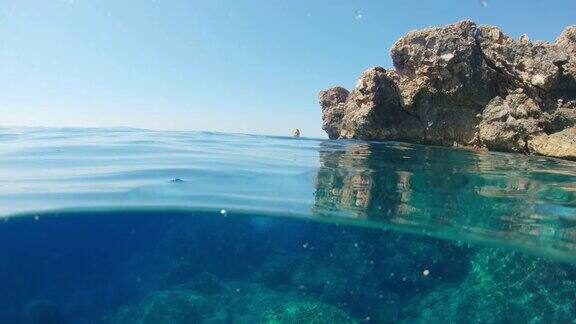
(296, 132)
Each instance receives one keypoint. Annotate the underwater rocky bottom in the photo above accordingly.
(200, 267)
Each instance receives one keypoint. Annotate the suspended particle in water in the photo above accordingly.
(484, 3)
(224, 212)
(237, 290)
(403, 278)
(357, 15)
(36, 218)
(305, 245)
(426, 272)
(355, 244)
(367, 318)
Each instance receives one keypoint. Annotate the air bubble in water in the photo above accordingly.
(357, 15)
(224, 212)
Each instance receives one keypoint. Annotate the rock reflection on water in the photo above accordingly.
(496, 199)
(352, 180)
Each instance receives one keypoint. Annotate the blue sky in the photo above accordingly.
(219, 65)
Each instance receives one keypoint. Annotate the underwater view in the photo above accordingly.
(133, 226)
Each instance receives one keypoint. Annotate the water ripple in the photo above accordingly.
(513, 201)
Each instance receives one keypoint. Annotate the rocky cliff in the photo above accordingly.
(465, 85)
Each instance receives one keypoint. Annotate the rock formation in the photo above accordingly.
(465, 85)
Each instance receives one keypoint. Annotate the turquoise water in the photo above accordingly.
(134, 226)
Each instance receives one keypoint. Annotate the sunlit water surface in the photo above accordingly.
(134, 226)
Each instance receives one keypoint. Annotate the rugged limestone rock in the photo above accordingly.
(371, 110)
(467, 85)
(332, 102)
(508, 122)
(561, 144)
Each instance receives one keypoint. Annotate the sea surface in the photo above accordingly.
(121, 225)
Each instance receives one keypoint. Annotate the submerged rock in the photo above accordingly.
(206, 283)
(174, 307)
(467, 85)
(43, 312)
(306, 312)
(501, 287)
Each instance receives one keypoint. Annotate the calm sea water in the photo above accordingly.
(135, 226)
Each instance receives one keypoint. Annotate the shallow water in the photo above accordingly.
(135, 226)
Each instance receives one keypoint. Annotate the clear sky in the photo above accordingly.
(219, 65)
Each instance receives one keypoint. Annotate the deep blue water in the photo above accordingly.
(136, 226)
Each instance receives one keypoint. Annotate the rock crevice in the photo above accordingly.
(465, 85)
